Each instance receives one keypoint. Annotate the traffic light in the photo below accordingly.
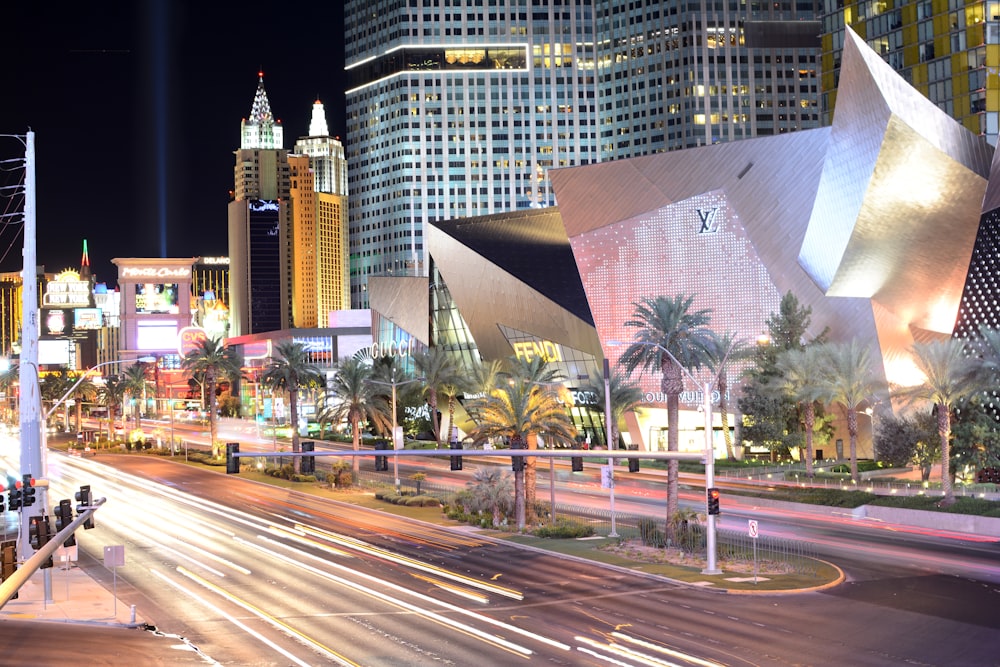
(232, 462)
(64, 517)
(8, 562)
(456, 461)
(14, 496)
(27, 491)
(308, 466)
(381, 462)
(633, 463)
(38, 535)
(85, 498)
(3, 499)
(576, 463)
(713, 500)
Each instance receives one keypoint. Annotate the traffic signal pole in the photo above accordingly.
(30, 410)
(712, 566)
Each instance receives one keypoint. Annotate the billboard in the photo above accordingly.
(156, 298)
(156, 336)
(88, 318)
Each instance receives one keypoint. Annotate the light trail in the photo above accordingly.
(372, 550)
(242, 626)
(423, 613)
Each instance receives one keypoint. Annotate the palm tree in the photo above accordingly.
(801, 380)
(951, 374)
(214, 360)
(136, 383)
(725, 351)
(351, 397)
(85, 391)
(848, 378)
(539, 374)
(624, 397)
(8, 378)
(490, 490)
(291, 371)
(670, 338)
(438, 368)
(514, 411)
(53, 387)
(111, 395)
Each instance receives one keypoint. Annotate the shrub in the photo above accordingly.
(340, 476)
(419, 501)
(303, 478)
(565, 528)
(650, 534)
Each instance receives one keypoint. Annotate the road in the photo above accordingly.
(254, 575)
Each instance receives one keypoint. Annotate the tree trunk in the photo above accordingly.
(519, 499)
(724, 416)
(356, 444)
(810, 422)
(293, 409)
(530, 480)
(432, 403)
(852, 430)
(672, 385)
(211, 413)
(944, 432)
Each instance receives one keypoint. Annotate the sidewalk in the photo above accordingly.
(76, 598)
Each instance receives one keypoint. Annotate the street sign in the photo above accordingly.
(752, 528)
(607, 481)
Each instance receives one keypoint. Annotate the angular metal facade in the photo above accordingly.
(871, 223)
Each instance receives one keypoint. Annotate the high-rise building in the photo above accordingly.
(456, 111)
(260, 225)
(948, 51)
(460, 108)
(678, 75)
(319, 225)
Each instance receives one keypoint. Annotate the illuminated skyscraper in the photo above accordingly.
(948, 51)
(260, 225)
(319, 225)
(460, 108)
(456, 111)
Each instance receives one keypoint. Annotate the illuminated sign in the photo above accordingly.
(392, 348)
(215, 260)
(189, 338)
(263, 205)
(155, 335)
(88, 318)
(546, 349)
(687, 397)
(55, 321)
(260, 349)
(156, 298)
(156, 272)
(67, 290)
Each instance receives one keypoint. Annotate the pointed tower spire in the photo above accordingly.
(318, 126)
(85, 262)
(261, 130)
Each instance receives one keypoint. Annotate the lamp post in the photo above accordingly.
(608, 430)
(397, 435)
(706, 389)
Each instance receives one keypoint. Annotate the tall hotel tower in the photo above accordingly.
(459, 108)
(949, 51)
(320, 279)
(260, 225)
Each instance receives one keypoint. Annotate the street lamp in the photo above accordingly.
(706, 389)
(397, 432)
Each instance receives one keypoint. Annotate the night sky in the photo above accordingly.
(136, 109)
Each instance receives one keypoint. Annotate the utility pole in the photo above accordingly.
(32, 456)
